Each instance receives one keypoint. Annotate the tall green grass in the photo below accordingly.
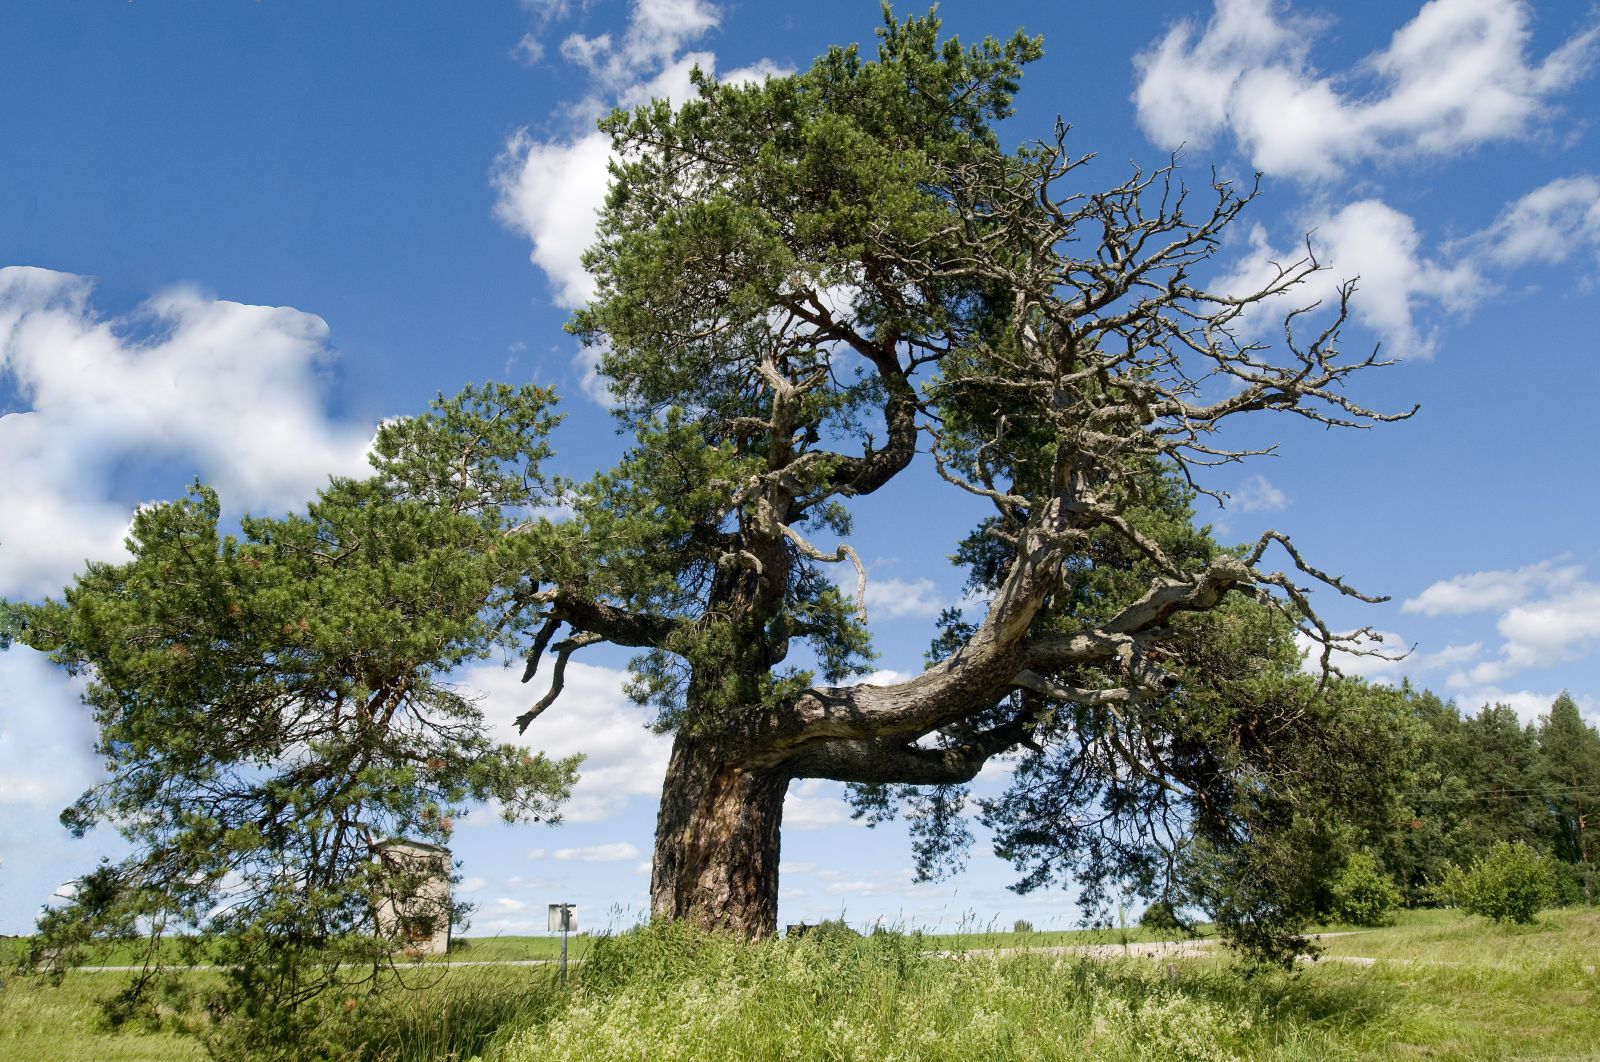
(668, 993)
(454, 1016)
(461, 1015)
(40, 1023)
(1442, 985)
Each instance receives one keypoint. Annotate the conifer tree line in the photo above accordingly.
(1479, 778)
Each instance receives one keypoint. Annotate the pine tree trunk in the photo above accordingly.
(716, 857)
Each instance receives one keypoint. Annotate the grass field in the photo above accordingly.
(1437, 985)
(512, 949)
(41, 1024)
(548, 948)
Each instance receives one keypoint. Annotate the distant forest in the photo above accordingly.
(1482, 778)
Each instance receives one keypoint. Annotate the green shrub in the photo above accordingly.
(1510, 884)
(1362, 894)
(1022, 925)
(1162, 917)
(834, 927)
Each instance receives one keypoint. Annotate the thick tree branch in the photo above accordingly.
(884, 761)
(616, 625)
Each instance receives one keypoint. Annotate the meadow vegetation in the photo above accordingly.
(1437, 983)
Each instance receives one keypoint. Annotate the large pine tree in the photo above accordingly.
(812, 286)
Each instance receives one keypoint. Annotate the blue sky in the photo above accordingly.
(234, 235)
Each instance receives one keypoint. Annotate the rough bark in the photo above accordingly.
(716, 854)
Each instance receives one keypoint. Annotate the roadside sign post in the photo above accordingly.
(563, 916)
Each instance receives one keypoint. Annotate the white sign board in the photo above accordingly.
(563, 918)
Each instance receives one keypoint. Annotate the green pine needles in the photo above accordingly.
(273, 705)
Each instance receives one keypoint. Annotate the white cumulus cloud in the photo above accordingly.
(623, 758)
(1548, 614)
(1399, 282)
(1450, 656)
(227, 391)
(896, 598)
(617, 852)
(1548, 226)
(1258, 495)
(528, 50)
(1456, 75)
(1381, 250)
(1489, 591)
(881, 677)
(47, 760)
(551, 190)
(814, 804)
(1393, 656)
(1561, 627)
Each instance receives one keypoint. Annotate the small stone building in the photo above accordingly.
(422, 918)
